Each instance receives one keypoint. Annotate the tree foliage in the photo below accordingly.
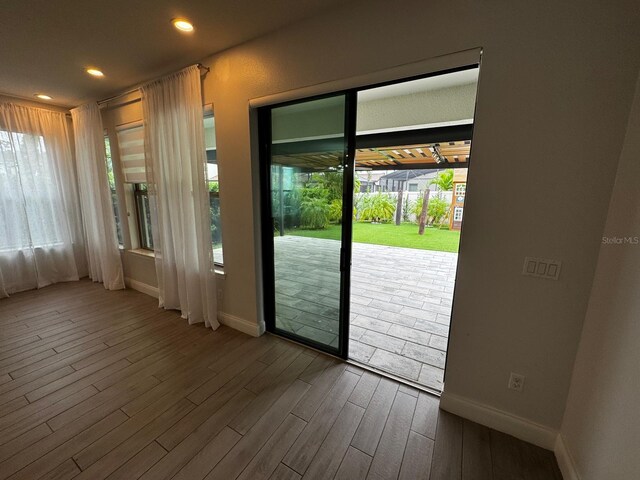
(378, 207)
(314, 213)
(444, 180)
(437, 210)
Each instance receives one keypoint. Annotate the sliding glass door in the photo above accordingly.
(307, 167)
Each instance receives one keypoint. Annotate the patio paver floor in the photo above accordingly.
(400, 303)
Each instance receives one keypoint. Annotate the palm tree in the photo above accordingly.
(444, 180)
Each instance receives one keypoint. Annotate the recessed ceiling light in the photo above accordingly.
(182, 24)
(95, 72)
(42, 96)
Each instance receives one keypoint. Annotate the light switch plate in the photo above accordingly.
(541, 268)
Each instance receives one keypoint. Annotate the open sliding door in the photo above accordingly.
(307, 168)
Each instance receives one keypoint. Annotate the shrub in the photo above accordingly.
(416, 207)
(314, 213)
(406, 208)
(376, 208)
(438, 210)
(335, 211)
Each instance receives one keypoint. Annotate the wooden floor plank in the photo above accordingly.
(213, 405)
(46, 463)
(284, 473)
(366, 387)
(388, 456)
(425, 419)
(303, 451)
(257, 408)
(319, 389)
(136, 443)
(370, 429)
(416, 463)
(447, 451)
(355, 465)
(64, 471)
(326, 462)
(270, 455)
(183, 452)
(140, 463)
(242, 453)
(207, 458)
(476, 452)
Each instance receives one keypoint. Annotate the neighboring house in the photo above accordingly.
(408, 180)
(457, 200)
(369, 180)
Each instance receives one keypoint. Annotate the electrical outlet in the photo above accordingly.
(220, 295)
(516, 382)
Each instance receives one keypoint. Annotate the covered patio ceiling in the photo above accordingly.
(434, 155)
(423, 155)
(432, 148)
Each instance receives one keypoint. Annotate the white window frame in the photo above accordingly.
(457, 214)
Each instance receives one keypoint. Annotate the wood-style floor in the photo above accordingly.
(97, 384)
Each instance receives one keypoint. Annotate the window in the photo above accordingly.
(457, 214)
(112, 187)
(214, 185)
(413, 187)
(131, 143)
(461, 188)
(143, 214)
(30, 201)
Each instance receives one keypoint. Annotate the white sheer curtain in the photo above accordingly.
(178, 194)
(40, 228)
(103, 254)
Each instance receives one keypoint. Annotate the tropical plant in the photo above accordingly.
(416, 207)
(329, 182)
(314, 213)
(406, 209)
(335, 211)
(378, 207)
(444, 180)
(438, 210)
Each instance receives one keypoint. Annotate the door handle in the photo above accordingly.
(344, 262)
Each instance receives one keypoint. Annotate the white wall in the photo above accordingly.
(555, 88)
(601, 427)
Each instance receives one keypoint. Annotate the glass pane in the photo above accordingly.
(307, 166)
(214, 186)
(144, 216)
(216, 228)
(112, 187)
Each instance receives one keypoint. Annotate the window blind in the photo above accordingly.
(131, 147)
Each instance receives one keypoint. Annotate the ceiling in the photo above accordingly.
(46, 45)
(437, 82)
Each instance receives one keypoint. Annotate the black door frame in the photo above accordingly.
(350, 145)
(264, 136)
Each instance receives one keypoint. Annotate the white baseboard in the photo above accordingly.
(565, 460)
(508, 423)
(141, 287)
(245, 326)
(237, 323)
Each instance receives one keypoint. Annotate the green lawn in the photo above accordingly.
(405, 235)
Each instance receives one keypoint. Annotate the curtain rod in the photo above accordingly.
(136, 89)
